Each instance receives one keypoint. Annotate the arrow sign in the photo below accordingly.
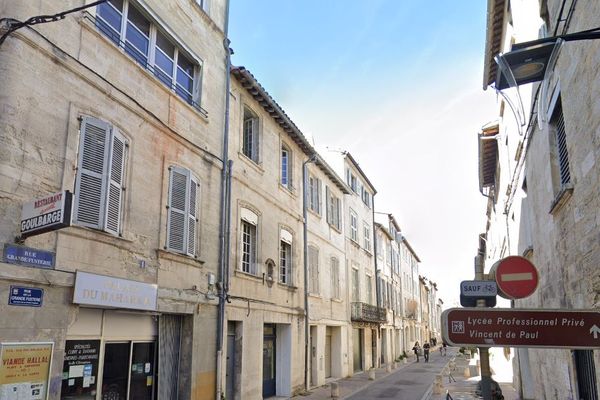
(510, 327)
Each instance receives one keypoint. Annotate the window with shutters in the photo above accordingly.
(99, 183)
(366, 196)
(559, 156)
(367, 236)
(314, 194)
(248, 241)
(335, 278)
(333, 209)
(355, 285)
(313, 270)
(286, 167)
(285, 257)
(369, 284)
(146, 42)
(182, 216)
(250, 135)
(353, 226)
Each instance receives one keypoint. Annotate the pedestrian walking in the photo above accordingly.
(417, 350)
(443, 348)
(426, 352)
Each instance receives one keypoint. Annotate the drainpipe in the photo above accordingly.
(225, 211)
(311, 159)
(377, 286)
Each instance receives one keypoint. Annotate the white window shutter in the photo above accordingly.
(338, 212)
(90, 189)
(192, 216)
(177, 213)
(319, 196)
(328, 216)
(116, 173)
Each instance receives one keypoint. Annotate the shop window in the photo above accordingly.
(129, 370)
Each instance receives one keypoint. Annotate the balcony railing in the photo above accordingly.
(367, 313)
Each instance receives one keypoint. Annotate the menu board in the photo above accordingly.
(80, 369)
(24, 370)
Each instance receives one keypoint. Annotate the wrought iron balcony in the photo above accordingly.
(367, 313)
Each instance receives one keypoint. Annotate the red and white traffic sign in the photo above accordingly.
(513, 327)
(516, 277)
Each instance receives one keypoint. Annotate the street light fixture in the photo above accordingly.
(528, 61)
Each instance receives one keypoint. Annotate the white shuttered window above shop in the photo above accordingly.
(182, 217)
(99, 185)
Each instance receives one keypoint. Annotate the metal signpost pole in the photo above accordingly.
(484, 355)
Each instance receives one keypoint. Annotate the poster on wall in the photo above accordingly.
(80, 369)
(25, 370)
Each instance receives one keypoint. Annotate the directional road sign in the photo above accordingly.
(510, 327)
(516, 277)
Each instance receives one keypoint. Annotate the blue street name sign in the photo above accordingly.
(25, 296)
(27, 256)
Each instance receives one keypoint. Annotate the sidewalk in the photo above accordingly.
(350, 385)
(464, 387)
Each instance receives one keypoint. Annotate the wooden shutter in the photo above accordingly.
(192, 216)
(177, 213)
(116, 173)
(90, 188)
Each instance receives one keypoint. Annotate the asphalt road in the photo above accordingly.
(408, 383)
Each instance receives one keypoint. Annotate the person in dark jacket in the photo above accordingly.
(426, 351)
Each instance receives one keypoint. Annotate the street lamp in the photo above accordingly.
(529, 61)
(534, 61)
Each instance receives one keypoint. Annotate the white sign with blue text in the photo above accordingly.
(478, 288)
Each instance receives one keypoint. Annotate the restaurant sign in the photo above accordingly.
(108, 291)
(46, 214)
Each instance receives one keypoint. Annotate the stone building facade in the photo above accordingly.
(121, 106)
(539, 168)
(120, 111)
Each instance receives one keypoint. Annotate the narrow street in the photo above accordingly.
(410, 382)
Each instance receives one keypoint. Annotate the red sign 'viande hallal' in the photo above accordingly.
(522, 328)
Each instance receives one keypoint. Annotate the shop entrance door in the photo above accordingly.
(269, 367)
(128, 371)
(142, 371)
(116, 371)
(357, 339)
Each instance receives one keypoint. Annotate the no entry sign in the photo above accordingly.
(489, 327)
(516, 277)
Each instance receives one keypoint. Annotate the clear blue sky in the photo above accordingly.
(399, 85)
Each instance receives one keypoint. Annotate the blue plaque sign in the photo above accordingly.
(27, 256)
(25, 296)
